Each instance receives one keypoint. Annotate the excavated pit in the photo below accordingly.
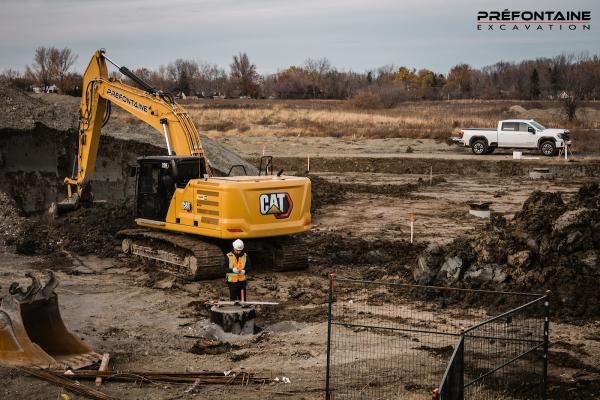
(38, 146)
(35, 162)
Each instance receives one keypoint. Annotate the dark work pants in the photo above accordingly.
(235, 290)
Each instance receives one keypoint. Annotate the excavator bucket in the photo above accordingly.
(68, 204)
(32, 332)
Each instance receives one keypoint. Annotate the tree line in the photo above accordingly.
(543, 78)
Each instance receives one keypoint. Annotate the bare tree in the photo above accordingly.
(10, 75)
(244, 74)
(40, 69)
(65, 59)
(184, 73)
(51, 64)
(316, 69)
(212, 79)
(16, 79)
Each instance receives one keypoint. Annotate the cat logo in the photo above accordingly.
(186, 205)
(277, 204)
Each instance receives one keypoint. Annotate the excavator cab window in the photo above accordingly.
(157, 180)
(188, 168)
(149, 179)
(154, 189)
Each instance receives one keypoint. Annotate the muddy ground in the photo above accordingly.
(144, 318)
(149, 320)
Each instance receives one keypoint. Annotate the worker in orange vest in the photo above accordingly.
(236, 263)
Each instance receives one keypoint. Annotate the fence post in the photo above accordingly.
(546, 343)
(327, 368)
(460, 394)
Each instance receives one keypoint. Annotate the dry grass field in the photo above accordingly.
(418, 120)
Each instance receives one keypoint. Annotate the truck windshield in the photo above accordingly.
(537, 125)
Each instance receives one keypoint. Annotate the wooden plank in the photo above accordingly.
(103, 367)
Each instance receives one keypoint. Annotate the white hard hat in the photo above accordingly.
(238, 245)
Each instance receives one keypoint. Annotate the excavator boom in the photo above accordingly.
(150, 105)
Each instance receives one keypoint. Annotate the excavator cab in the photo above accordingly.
(157, 179)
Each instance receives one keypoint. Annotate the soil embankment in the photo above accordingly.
(471, 166)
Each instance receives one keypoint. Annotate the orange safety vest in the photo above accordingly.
(238, 263)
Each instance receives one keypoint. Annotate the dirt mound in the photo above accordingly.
(336, 248)
(84, 231)
(549, 244)
(588, 196)
(212, 347)
(19, 111)
(538, 212)
(124, 127)
(11, 221)
(517, 109)
(222, 159)
(38, 147)
(326, 192)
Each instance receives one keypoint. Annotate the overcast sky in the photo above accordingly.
(353, 34)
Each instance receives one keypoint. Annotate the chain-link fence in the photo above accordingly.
(389, 340)
(506, 356)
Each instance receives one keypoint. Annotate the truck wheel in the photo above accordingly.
(490, 150)
(548, 148)
(479, 147)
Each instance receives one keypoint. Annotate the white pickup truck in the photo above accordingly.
(514, 133)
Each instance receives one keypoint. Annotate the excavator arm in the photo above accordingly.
(150, 105)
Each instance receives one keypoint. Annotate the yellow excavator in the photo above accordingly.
(186, 215)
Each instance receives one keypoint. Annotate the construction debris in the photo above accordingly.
(73, 387)
(32, 332)
(541, 173)
(198, 378)
(241, 303)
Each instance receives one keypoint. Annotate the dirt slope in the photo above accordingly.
(548, 245)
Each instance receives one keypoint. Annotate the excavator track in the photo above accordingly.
(183, 255)
(194, 258)
(289, 255)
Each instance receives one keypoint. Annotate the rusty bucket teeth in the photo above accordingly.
(32, 332)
